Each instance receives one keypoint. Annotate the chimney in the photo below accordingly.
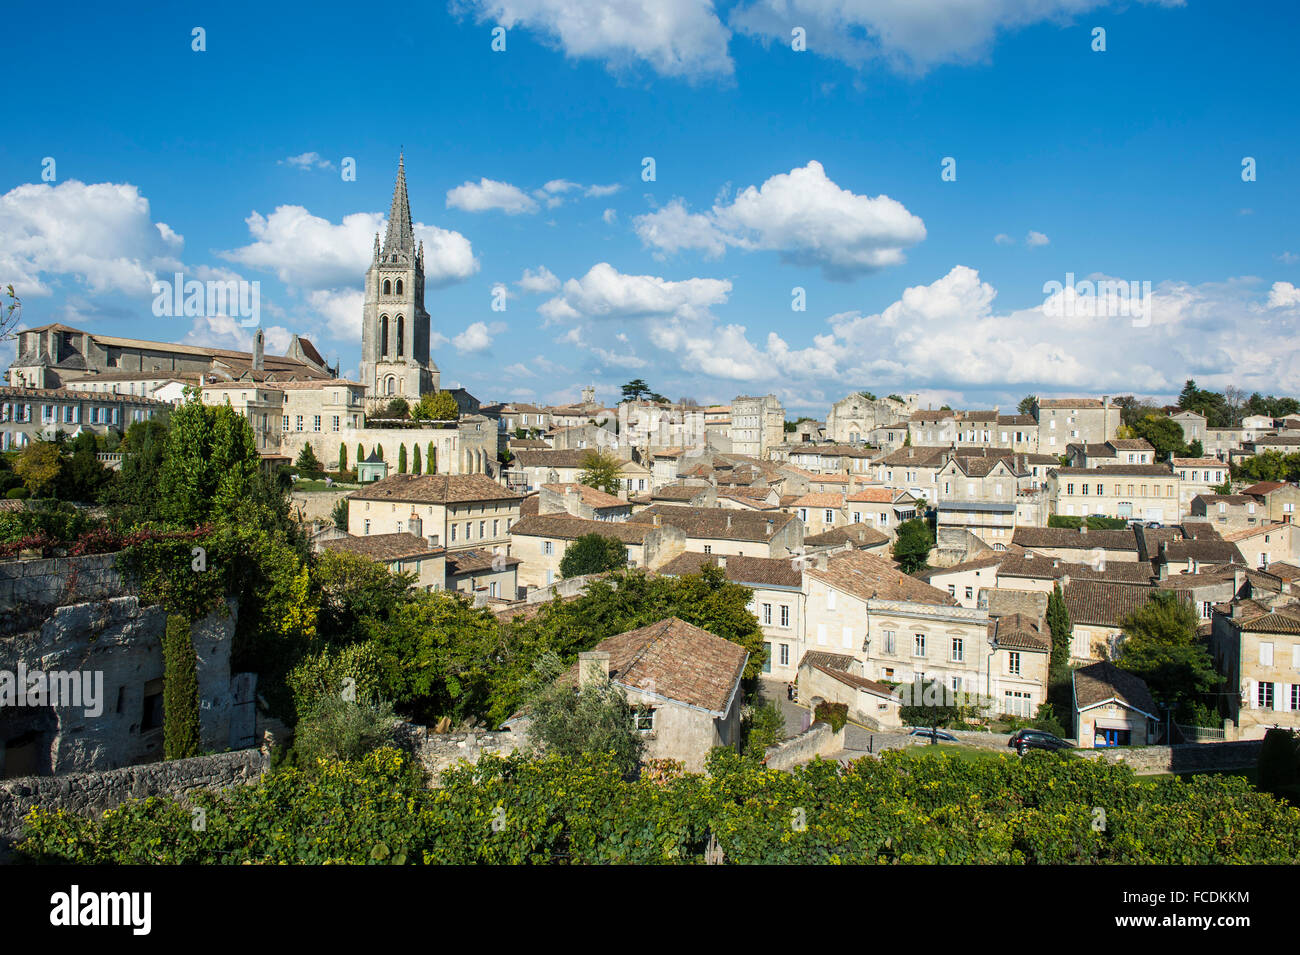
(820, 561)
(592, 665)
(1238, 579)
(1065, 581)
(415, 524)
(1162, 569)
(728, 522)
(1236, 610)
(771, 525)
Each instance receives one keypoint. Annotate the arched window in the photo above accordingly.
(399, 286)
(401, 329)
(389, 385)
(387, 287)
(383, 336)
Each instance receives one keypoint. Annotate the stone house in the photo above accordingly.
(1261, 547)
(852, 419)
(1020, 650)
(1079, 546)
(31, 414)
(1115, 451)
(531, 469)
(1150, 492)
(1193, 424)
(1257, 649)
(685, 682)
(964, 581)
(483, 574)
(540, 542)
(582, 501)
(690, 493)
(757, 424)
(777, 602)
(881, 507)
(914, 469)
(719, 530)
(458, 512)
(1096, 608)
(836, 678)
(1065, 421)
(819, 512)
(1226, 512)
(1112, 707)
(1281, 501)
(977, 495)
(899, 628)
(401, 553)
(1197, 476)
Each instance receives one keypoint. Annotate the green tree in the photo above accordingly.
(361, 453)
(307, 461)
(593, 554)
(397, 408)
(436, 406)
(1159, 643)
(1059, 677)
(416, 463)
(132, 496)
(343, 456)
(597, 718)
(81, 476)
(912, 545)
(431, 457)
(1164, 434)
(38, 465)
(1027, 403)
(180, 690)
(401, 459)
(340, 514)
(338, 729)
(601, 469)
(1196, 449)
(210, 464)
(635, 389)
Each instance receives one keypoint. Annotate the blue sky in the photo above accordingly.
(775, 170)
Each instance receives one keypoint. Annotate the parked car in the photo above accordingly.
(1023, 740)
(933, 735)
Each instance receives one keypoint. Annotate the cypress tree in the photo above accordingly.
(401, 459)
(343, 456)
(432, 458)
(180, 690)
(415, 458)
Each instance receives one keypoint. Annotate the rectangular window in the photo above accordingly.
(1013, 663)
(548, 547)
(299, 422)
(970, 593)
(482, 529)
(830, 600)
(1266, 654)
(286, 423)
(367, 527)
(918, 645)
(451, 530)
(315, 422)
(1264, 696)
(891, 646)
(958, 650)
(785, 654)
(336, 422)
(830, 517)
(785, 615)
(767, 614)
(821, 634)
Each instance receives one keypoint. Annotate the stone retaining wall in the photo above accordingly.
(817, 740)
(90, 794)
(51, 582)
(1184, 758)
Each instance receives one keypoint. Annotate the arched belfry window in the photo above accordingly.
(390, 384)
(401, 329)
(383, 336)
(399, 286)
(387, 287)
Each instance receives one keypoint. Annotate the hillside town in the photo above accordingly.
(1103, 572)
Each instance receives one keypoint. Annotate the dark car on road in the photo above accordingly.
(1023, 740)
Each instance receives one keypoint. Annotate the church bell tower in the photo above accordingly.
(395, 358)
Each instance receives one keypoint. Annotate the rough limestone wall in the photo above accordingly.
(30, 588)
(816, 740)
(90, 794)
(317, 505)
(438, 752)
(1185, 758)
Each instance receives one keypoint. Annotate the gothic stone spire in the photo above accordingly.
(401, 235)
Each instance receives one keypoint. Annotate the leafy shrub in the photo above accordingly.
(339, 729)
(764, 727)
(836, 714)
